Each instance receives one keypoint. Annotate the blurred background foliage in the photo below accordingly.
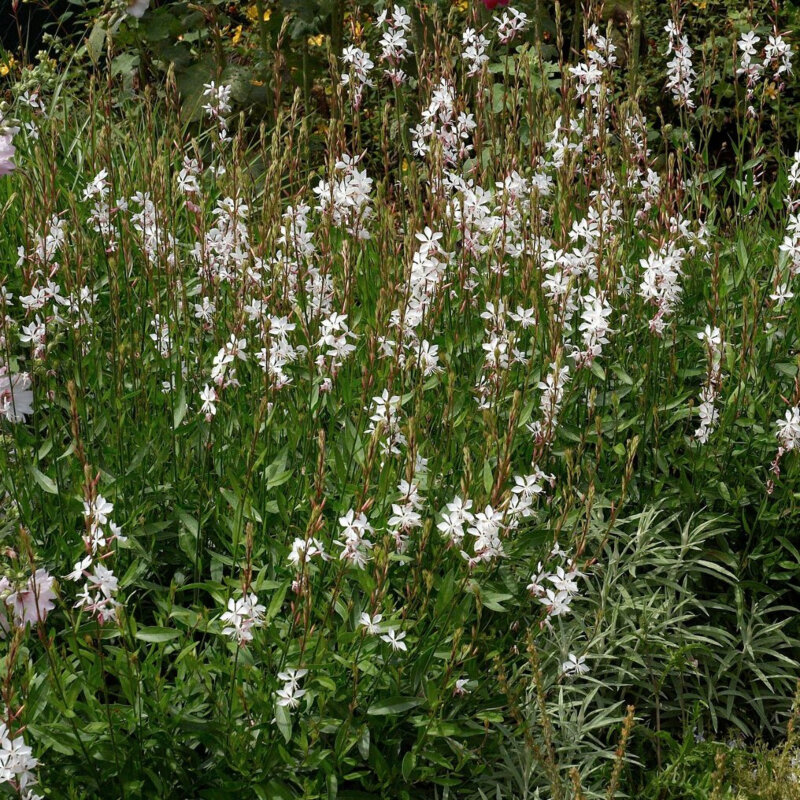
(270, 49)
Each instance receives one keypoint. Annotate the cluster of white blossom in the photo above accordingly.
(73, 308)
(224, 251)
(156, 238)
(223, 370)
(707, 410)
(217, 106)
(428, 267)
(594, 327)
(788, 432)
(278, 352)
(353, 539)
(47, 245)
(556, 589)
(289, 695)
(661, 274)
(475, 52)
(244, 614)
(790, 245)
(357, 75)
(394, 42)
(17, 763)
(385, 422)
(335, 342)
(442, 122)
(406, 515)
(680, 72)
(298, 258)
(510, 23)
(188, 181)
(99, 593)
(550, 403)
(101, 213)
(588, 75)
(347, 197)
(776, 56)
(502, 347)
(566, 140)
(749, 67)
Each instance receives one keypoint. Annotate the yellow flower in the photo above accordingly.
(461, 5)
(6, 68)
(252, 13)
(316, 41)
(237, 34)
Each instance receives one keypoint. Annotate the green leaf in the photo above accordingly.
(394, 705)
(45, 483)
(180, 408)
(492, 600)
(409, 762)
(95, 41)
(488, 478)
(277, 600)
(284, 720)
(363, 743)
(156, 634)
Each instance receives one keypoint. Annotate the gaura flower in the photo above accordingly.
(137, 8)
(32, 603)
(7, 151)
(16, 397)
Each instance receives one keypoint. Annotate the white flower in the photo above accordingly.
(137, 8)
(80, 568)
(789, 429)
(16, 397)
(558, 603)
(395, 639)
(574, 665)
(7, 151)
(97, 510)
(292, 676)
(104, 580)
(303, 551)
(371, 623)
(782, 294)
(16, 762)
(289, 696)
(209, 397)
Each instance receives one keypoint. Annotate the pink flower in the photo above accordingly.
(32, 603)
(16, 397)
(7, 151)
(492, 4)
